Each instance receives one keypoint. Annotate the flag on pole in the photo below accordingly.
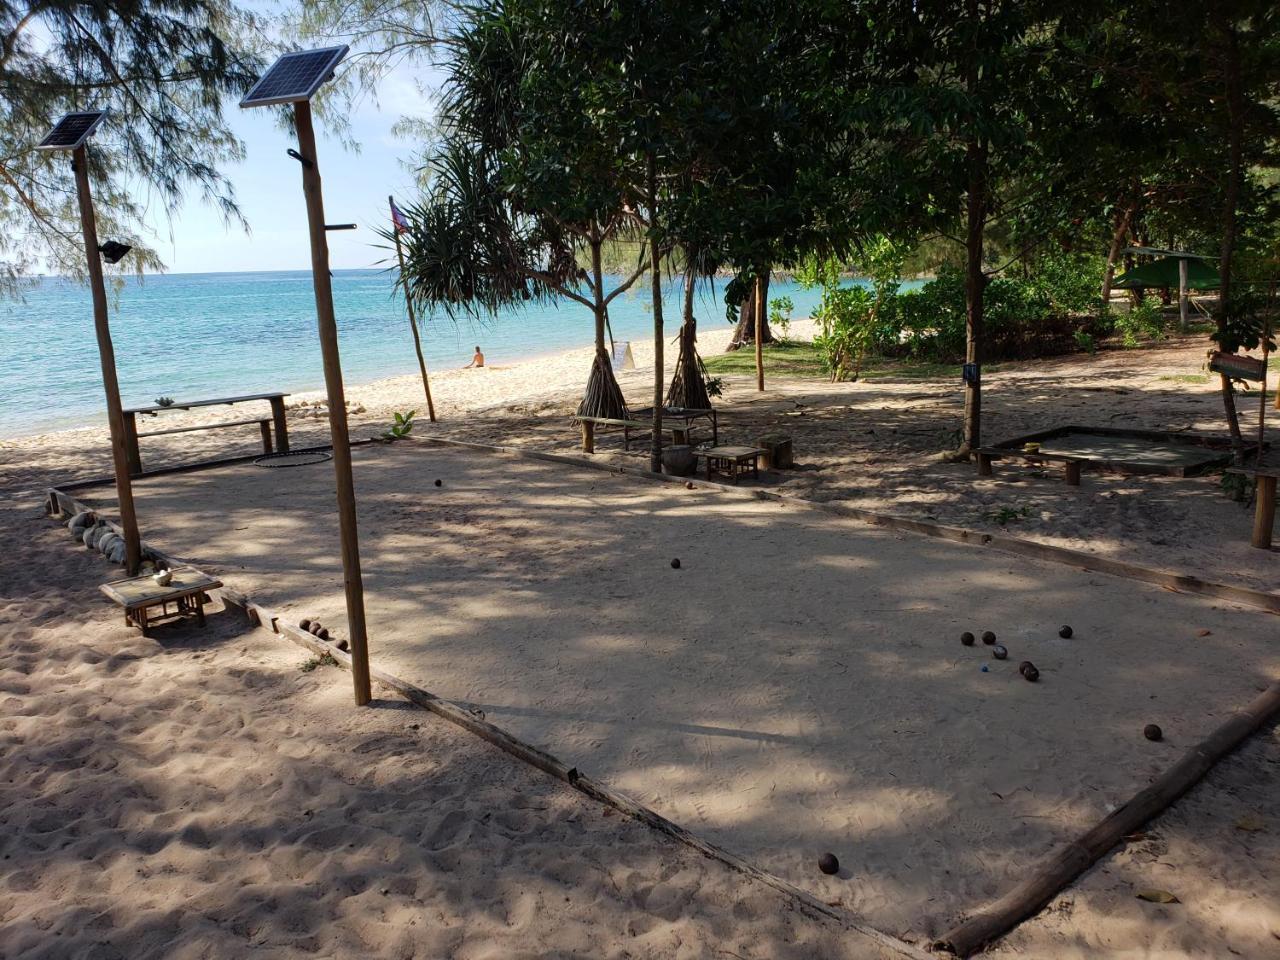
(398, 218)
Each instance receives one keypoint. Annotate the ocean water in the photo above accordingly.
(191, 336)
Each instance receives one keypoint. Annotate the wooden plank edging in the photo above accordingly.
(549, 764)
(1181, 583)
(1061, 868)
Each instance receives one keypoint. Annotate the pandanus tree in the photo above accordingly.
(538, 169)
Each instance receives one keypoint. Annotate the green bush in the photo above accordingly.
(1142, 322)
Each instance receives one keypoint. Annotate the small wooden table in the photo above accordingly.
(1264, 511)
(277, 419)
(732, 462)
(141, 595)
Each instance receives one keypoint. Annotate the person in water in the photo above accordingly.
(476, 361)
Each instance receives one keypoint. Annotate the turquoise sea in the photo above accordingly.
(190, 336)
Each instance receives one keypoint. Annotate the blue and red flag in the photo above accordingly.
(398, 218)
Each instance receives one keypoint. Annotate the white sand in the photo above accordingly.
(797, 686)
(198, 795)
(116, 741)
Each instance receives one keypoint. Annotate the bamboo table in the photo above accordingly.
(732, 462)
(141, 595)
(276, 419)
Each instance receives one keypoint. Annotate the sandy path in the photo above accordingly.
(200, 796)
(795, 687)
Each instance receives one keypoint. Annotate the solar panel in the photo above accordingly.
(295, 76)
(72, 130)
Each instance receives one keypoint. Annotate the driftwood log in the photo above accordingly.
(1063, 867)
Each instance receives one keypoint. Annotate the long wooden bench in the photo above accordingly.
(677, 426)
(270, 444)
(1264, 511)
(1071, 463)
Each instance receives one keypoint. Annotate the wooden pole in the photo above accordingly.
(659, 365)
(1046, 880)
(1182, 294)
(759, 318)
(328, 328)
(107, 354)
(413, 323)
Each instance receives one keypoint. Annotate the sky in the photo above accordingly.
(268, 185)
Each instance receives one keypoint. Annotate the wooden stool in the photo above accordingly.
(139, 596)
(732, 462)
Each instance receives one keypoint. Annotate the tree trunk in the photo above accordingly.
(1123, 217)
(688, 386)
(1235, 163)
(745, 332)
(659, 370)
(761, 316)
(975, 282)
(603, 396)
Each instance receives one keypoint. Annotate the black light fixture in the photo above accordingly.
(113, 250)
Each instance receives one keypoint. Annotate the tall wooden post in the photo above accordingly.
(1182, 294)
(759, 318)
(107, 354)
(659, 365)
(328, 329)
(413, 323)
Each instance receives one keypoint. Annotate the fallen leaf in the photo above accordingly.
(1250, 824)
(1204, 633)
(1157, 896)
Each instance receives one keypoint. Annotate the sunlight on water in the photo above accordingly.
(220, 334)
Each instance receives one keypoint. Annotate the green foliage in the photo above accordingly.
(165, 71)
(780, 310)
(1007, 515)
(1140, 323)
(324, 660)
(401, 427)
(853, 319)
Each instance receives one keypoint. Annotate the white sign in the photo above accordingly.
(622, 358)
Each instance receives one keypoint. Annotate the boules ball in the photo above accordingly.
(439, 483)
(966, 638)
(315, 628)
(828, 864)
(999, 651)
(1030, 673)
(1065, 632)
(689, 485)
(675, 563)
(1024, 664)
(305, 624)
(1153, 732)
(988, 638)
(322, 633)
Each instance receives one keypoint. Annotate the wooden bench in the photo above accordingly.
(265, 424)
(732, 462)
(1072, 464)
(1264, 511)
(141, 595)
(679, 427)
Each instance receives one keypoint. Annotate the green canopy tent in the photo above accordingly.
(1164, 273)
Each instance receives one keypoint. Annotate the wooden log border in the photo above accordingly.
(502, 739)
(990, 922)
(1062, 867)
(202, 465)
(1177, 583)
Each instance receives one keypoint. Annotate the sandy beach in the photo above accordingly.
(223, 799)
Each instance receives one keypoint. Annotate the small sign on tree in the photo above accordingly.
(1238, 367)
